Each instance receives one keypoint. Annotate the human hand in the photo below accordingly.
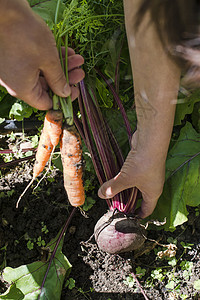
(74, 72)
(29, 60)
(140, 171)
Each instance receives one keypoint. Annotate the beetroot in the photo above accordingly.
(116, 232)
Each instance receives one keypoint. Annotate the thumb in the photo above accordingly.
(114, 186)
(55, 78)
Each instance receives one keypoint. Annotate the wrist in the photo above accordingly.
(153, 142)
(154, 133)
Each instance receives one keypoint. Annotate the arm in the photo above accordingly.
(156, 83)
(29, 60)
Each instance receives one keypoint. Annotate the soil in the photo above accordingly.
(97, 275)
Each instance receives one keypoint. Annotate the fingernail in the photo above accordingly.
(106, 195)
(66, 90)
(108, 192)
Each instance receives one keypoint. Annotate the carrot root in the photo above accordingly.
(48, 141)
(71, 154)
(53, 124)
(20, 197)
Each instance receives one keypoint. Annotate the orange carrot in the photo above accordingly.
(53, 123)
(43, 153)
(71, 154)
(48, 140)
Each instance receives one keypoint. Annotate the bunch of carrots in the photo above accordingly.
(59, 127)
(55, 131)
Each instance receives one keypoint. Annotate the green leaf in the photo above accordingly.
(185, 106)
(182, 184)
(116, 123)
(196, 116)
(3, 90)
(20, 110)
(114, 45)
(89, 202)
(197, 284)
(6, 103)
(104, 94)
(70, 283)
(56, 159)
(170, 285)
(47, 9)
(172, 262)
(27, 280)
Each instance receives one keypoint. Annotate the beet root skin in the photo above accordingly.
(116, 233)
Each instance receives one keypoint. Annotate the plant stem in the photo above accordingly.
(56, 102)
(66, 105)
(66, 58)
(56, 246)
(57, 11)
(118, 100)
(16, 161)
(139, 285)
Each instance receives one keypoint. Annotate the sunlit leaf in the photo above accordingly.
(20, 110)
(185, 106)
(197, 284)
(182, 185)
(46, 10)
(38, 280)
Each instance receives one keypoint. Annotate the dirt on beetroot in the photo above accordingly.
(97, 275)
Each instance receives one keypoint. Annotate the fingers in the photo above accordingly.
(75, 76)
(112, 187)
(75, 61)
(55, 78)
(147, 206)
(74, 92)
(70, 51)
(38, 97)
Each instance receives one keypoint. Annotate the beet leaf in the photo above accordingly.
(40, 279)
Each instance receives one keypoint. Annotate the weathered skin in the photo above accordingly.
(29, 60)
(156, 82)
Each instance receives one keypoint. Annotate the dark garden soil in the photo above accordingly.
(97, 275)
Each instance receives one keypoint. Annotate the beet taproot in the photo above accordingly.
(116, 232)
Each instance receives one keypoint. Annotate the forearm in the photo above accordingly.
(156, 83)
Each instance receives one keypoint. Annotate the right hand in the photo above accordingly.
(29, 60)
(142, 172)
